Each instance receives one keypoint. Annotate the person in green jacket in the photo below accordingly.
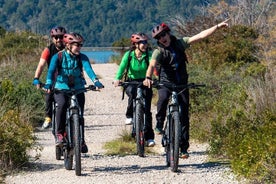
(135, 62)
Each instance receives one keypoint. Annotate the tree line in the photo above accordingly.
(101, 22)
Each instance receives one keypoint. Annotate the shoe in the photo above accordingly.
(158, 131)
(128, 121)
(59, 139)
(184, 155)
(150, 143)
(84, 148)
(47, 123)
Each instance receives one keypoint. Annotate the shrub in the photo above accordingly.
(16, 139)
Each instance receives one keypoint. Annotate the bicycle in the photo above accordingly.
(172, 129)
(138, 116)
(72, 138)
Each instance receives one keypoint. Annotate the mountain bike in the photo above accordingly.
(172, 135)
(138, 116)
(71, 146)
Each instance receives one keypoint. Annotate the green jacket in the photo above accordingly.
(137, 69)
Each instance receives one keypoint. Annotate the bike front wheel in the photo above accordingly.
(174, 136)
(77, 145)
(139, 121)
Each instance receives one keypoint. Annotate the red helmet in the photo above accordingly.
(72, 38)
(57, 31)
(137, 37)
(159, 28)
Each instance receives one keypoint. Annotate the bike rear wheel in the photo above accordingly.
(77, 145)
(174, 141)
(139, 121)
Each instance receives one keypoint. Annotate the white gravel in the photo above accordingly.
(104, 118)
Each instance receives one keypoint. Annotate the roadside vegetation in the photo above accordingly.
(235, 113)
(21, 104)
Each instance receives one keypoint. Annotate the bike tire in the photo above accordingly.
(139, 121)
(68, 159)
(166, 142)
(77, 143)
(174, 141)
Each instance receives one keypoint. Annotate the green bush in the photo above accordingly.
(16, 134)
(16, 139)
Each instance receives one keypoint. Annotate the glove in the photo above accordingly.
(47, 86)
(98, 84)
(36, 81)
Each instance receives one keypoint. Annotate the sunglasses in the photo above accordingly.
(161, 35)
(58, 37)
(77, 44)
(144, 42)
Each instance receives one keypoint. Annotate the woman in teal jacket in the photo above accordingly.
(65, 72)
(135, 62)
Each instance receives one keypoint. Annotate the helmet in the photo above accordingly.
(72, 38)
(57, 31)
(137, 37)
(159, 28)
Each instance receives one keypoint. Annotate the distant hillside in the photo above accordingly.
(101, 22)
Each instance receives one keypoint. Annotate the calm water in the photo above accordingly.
(100, 56)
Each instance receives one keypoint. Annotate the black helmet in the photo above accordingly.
(55, 31)
(159, 29)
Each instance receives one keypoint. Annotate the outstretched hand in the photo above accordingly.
(223, 24)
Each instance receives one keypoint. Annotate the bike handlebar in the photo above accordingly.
(157, 84)
(73, 91)
(126, 83)
(77, 91)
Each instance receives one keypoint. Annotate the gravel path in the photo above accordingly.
(104, 117)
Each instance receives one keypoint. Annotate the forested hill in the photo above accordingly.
(101, 22)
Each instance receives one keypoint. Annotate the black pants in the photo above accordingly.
(62, 103)
(49, 98)
(131, 91)
(183, 99)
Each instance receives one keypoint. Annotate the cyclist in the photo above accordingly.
(69, 64)
(135, 62)
(56, 45)
(170, 60)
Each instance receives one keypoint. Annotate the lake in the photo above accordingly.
(102, 56)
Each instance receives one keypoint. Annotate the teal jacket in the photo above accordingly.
(137, 68)
(59, 73)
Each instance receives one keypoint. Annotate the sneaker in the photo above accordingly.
(184, 155)
(59, 139)
(84, 148)
(150, 143)
(158, 131)
(47, 123)
(128, 121)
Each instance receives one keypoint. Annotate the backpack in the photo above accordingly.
(60, 53)
(53, 50)
(165, 54)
